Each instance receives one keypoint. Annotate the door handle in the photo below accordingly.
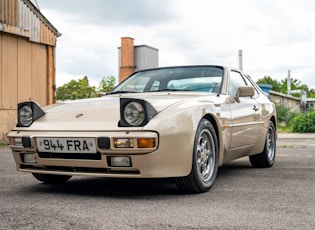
(255, 108)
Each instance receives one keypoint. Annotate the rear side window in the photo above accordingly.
(250, 82)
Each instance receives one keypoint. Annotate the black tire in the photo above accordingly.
(267, 157)
(51, 179)
(205, 160)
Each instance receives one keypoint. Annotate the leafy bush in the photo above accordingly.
(284, 114)
(303, 123)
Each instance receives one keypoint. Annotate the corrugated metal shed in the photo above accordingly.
(27, 59)
(22, 18)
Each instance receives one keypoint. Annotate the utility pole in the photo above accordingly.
(289, 83)
(240, 59)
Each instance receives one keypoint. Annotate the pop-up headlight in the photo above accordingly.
(135, 112)
(28, 112)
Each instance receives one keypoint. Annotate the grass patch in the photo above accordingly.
(286, 146)
(285, 129)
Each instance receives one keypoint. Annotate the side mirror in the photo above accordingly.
(244, 91)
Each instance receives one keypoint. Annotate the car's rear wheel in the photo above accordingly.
(51, 179)
(205, 160)
(266, 158)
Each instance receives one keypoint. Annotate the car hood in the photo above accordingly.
(101, 113)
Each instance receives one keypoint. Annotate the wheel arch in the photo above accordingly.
(274, 121)
(218, 132)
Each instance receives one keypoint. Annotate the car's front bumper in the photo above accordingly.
(170, 157)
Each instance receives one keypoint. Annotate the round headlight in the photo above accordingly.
(134, 114)
(25, 115)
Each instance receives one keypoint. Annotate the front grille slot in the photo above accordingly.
(79, 156)
(79, 170)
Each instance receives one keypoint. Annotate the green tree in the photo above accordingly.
(283, 88)
(107, 84)
(311, 93)
(76, 89)
(296, 85)
(276, 86)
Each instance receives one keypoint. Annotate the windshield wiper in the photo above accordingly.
(122, 91)
(161, 90)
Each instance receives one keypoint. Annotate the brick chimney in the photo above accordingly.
(127, 58)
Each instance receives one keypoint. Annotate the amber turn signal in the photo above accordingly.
(146, 142)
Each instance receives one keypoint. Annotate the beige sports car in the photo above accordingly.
(178, 122)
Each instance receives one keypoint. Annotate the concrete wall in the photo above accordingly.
(285, 100)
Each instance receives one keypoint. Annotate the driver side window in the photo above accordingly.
(236, 80)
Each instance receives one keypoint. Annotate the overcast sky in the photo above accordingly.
(275, 35)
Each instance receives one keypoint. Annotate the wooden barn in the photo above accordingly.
(27, 59)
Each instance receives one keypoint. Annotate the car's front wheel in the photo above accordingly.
(205, 160)
(51, 179)
(267, 157)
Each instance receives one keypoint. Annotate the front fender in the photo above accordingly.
(185, 117)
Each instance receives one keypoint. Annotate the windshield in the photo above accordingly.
(203, 79)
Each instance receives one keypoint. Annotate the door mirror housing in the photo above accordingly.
(244, 91)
